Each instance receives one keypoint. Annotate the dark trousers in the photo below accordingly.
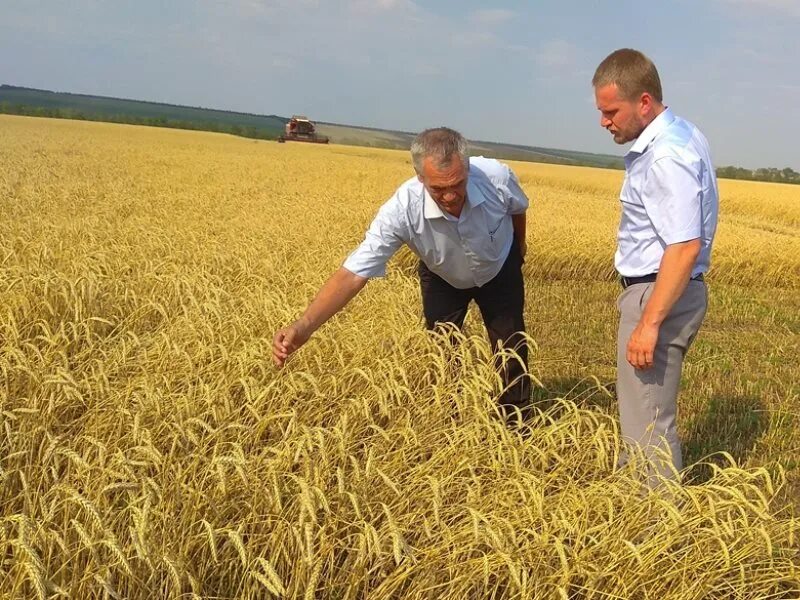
(501, 302)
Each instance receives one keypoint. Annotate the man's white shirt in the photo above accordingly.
(669, 196)
(466, 251)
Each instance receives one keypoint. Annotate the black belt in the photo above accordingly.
(629, 281)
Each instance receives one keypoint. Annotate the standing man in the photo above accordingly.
(669, 216)
(465, 219)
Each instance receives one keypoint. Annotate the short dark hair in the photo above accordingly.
(631, 71)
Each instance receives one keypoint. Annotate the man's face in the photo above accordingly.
(625, 119)
(447, 185)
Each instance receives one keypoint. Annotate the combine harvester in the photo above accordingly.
(300, 129)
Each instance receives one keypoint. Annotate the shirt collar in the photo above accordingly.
(656, 126)
(433, 211)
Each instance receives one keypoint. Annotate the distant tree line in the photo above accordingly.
(247, 131)
(774, 175)
(40, 92)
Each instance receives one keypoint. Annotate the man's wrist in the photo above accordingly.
(649, 320)
(306, 324)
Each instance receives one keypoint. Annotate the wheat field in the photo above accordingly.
(149, 448)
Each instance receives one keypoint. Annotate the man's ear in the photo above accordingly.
(646, 103)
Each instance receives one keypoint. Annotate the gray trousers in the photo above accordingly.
(648, 399)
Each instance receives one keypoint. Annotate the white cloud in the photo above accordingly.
(266, 7)
(556, 54)
(787, 7)
(283, 62)
(491, 16)
(394, 4)
(472, 39)
(427, 70)
(402, 7)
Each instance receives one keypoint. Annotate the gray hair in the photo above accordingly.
(439, 143)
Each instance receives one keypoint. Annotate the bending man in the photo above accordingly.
(465, 219)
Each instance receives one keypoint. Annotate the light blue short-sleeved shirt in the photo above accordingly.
(669, 196)
(467, 251)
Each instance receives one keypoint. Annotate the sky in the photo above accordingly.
(512, 71)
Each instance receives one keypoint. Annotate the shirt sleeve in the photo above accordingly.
(516, 200)
(672, 197)
(383, 238)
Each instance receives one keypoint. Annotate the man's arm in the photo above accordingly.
(520, 223)
(518, 207)
(674, 273)
(335, 293)
(672, 197)
(383, 238)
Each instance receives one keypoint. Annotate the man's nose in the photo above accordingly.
(604, 122)
(449, 196)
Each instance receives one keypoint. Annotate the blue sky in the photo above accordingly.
(511, 71)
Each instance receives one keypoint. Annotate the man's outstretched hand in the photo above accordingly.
(287, 340)
(340, 288)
